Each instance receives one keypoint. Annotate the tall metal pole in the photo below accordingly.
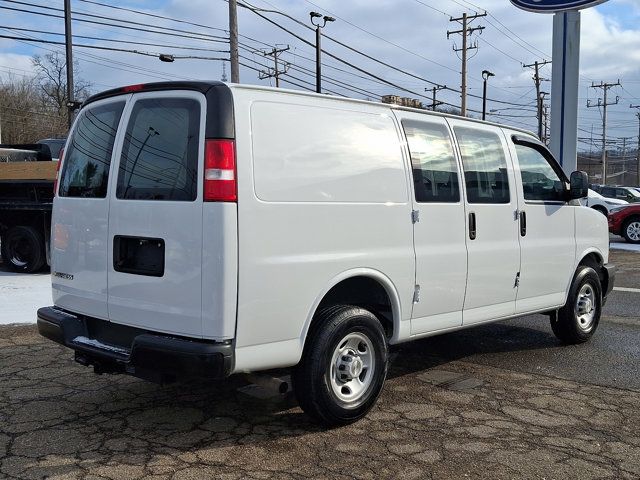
(318, 63)
(638, 153)
(484, 99)
(433, 105)
(604, 139)
(69, 60)
(637, 107)
(233, 41)
(485, 76)
(321, 22)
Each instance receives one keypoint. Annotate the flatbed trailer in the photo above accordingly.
(26, 200)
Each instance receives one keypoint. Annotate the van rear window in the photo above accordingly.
(160, 151)
(86, 164)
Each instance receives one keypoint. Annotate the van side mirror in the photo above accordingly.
(579, 185)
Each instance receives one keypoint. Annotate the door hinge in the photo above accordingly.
(415, 216)
(416, 294)
(517, 282)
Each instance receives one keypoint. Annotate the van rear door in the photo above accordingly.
(80, 211)
(155, 216)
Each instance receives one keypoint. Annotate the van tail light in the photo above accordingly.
(220, 171)
(55, 183)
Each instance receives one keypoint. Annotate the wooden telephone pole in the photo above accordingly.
(465, 31)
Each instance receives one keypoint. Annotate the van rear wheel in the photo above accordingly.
(343, 367)
(578, 319)
(23, 249)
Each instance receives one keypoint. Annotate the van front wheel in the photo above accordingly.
(578, 319)
(343, 366)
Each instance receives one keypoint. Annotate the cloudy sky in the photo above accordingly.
(410, 36)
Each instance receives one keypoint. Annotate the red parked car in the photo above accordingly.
(625, 221)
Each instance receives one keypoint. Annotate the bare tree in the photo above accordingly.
(33, 108)
(51, 76)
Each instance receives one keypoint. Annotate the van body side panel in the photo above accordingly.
(219, 270)
(330, 196)
(592, 234)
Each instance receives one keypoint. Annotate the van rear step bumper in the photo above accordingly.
(114, 348)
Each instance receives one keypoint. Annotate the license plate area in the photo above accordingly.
(138, 255)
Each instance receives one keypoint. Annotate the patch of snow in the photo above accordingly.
(629, 247)
(21, 295)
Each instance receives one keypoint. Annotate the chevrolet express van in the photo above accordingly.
(206, 229)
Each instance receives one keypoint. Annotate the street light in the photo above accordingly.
(485, 76)
(319, 24)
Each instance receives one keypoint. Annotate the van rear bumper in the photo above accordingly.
(113, 348)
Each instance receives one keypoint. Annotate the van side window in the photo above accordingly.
(86, 164)
(160, 152)
(435, 173)
(539, 179)
(485, 166)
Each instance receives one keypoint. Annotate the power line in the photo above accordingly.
(202, 37)
(97, 47)
(102, 39)
(163, 17)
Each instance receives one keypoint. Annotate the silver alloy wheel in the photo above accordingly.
(352, 368)
(585, 308)
(633, 230)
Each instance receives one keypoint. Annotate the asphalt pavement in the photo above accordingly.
(501, 401)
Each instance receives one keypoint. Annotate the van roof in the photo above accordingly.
(205, 86)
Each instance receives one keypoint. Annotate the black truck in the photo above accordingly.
(27, 175)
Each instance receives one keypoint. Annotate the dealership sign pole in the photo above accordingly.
(565, 73)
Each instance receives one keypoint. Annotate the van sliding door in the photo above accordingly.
(491, 203)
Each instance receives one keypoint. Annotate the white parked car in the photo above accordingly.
(602, 204)
(204, 229)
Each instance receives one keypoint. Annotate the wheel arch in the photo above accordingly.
(348, 284)
(592, 258)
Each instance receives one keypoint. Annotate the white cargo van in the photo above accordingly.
(205, 229)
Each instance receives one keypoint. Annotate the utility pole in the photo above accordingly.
(637, 107)
(69, 61)
(605, 87)
(233, 41)
(538, 80)
(434, 90)
(545, 113)
(319, 26)
(485, 76)
(542, 125)
(465, 31)
(276, 72)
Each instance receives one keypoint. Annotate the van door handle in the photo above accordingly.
(472, 225)
(523, 224)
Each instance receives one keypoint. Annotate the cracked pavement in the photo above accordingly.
(58, 420)
(491, 407)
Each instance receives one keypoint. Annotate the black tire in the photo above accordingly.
(23, 249)
(567, 324)
(625, 227)
(312, 377)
